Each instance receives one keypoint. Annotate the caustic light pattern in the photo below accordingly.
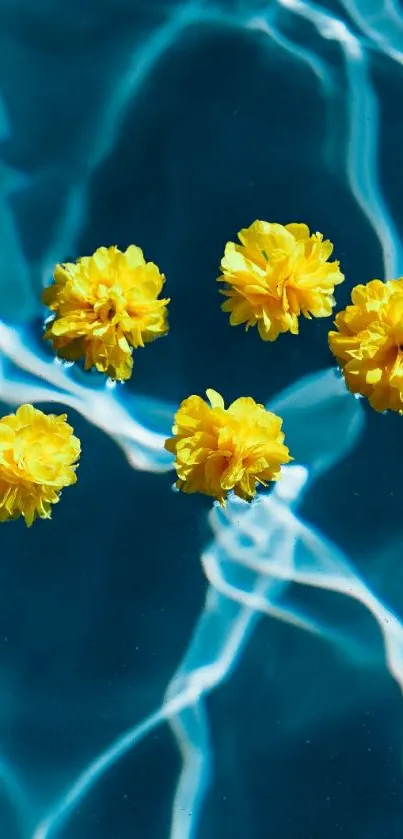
(258, 552)
(218, 449)
(38, 458)
(275, 275)
(267, 540)
(368, 343)
(105, 306)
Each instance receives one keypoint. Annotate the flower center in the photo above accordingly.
(106, 310)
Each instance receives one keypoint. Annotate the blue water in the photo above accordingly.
(168, 671)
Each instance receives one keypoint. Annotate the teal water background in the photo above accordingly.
(172, 126)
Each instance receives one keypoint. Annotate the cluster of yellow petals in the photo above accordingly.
(38, 457)
(275, 275)
(105, 306)
(217, 449)
(368, 343)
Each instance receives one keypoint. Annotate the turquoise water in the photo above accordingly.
(168, 670)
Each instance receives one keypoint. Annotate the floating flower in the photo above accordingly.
(219, 449)
(277, 274)
(38, 457)
(104, 306)
(368, 343)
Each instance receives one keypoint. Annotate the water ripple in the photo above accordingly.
(257, 552)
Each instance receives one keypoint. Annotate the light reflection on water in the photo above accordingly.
(259, 554)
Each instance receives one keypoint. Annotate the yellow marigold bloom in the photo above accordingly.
(275, 275)
(218, 449)
(38, 455)
(104, 306)
(368, 343)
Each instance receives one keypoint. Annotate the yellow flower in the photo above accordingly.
(104, 306)
(219, 449)
(38, 455)
(277, 274)
(368, 343)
